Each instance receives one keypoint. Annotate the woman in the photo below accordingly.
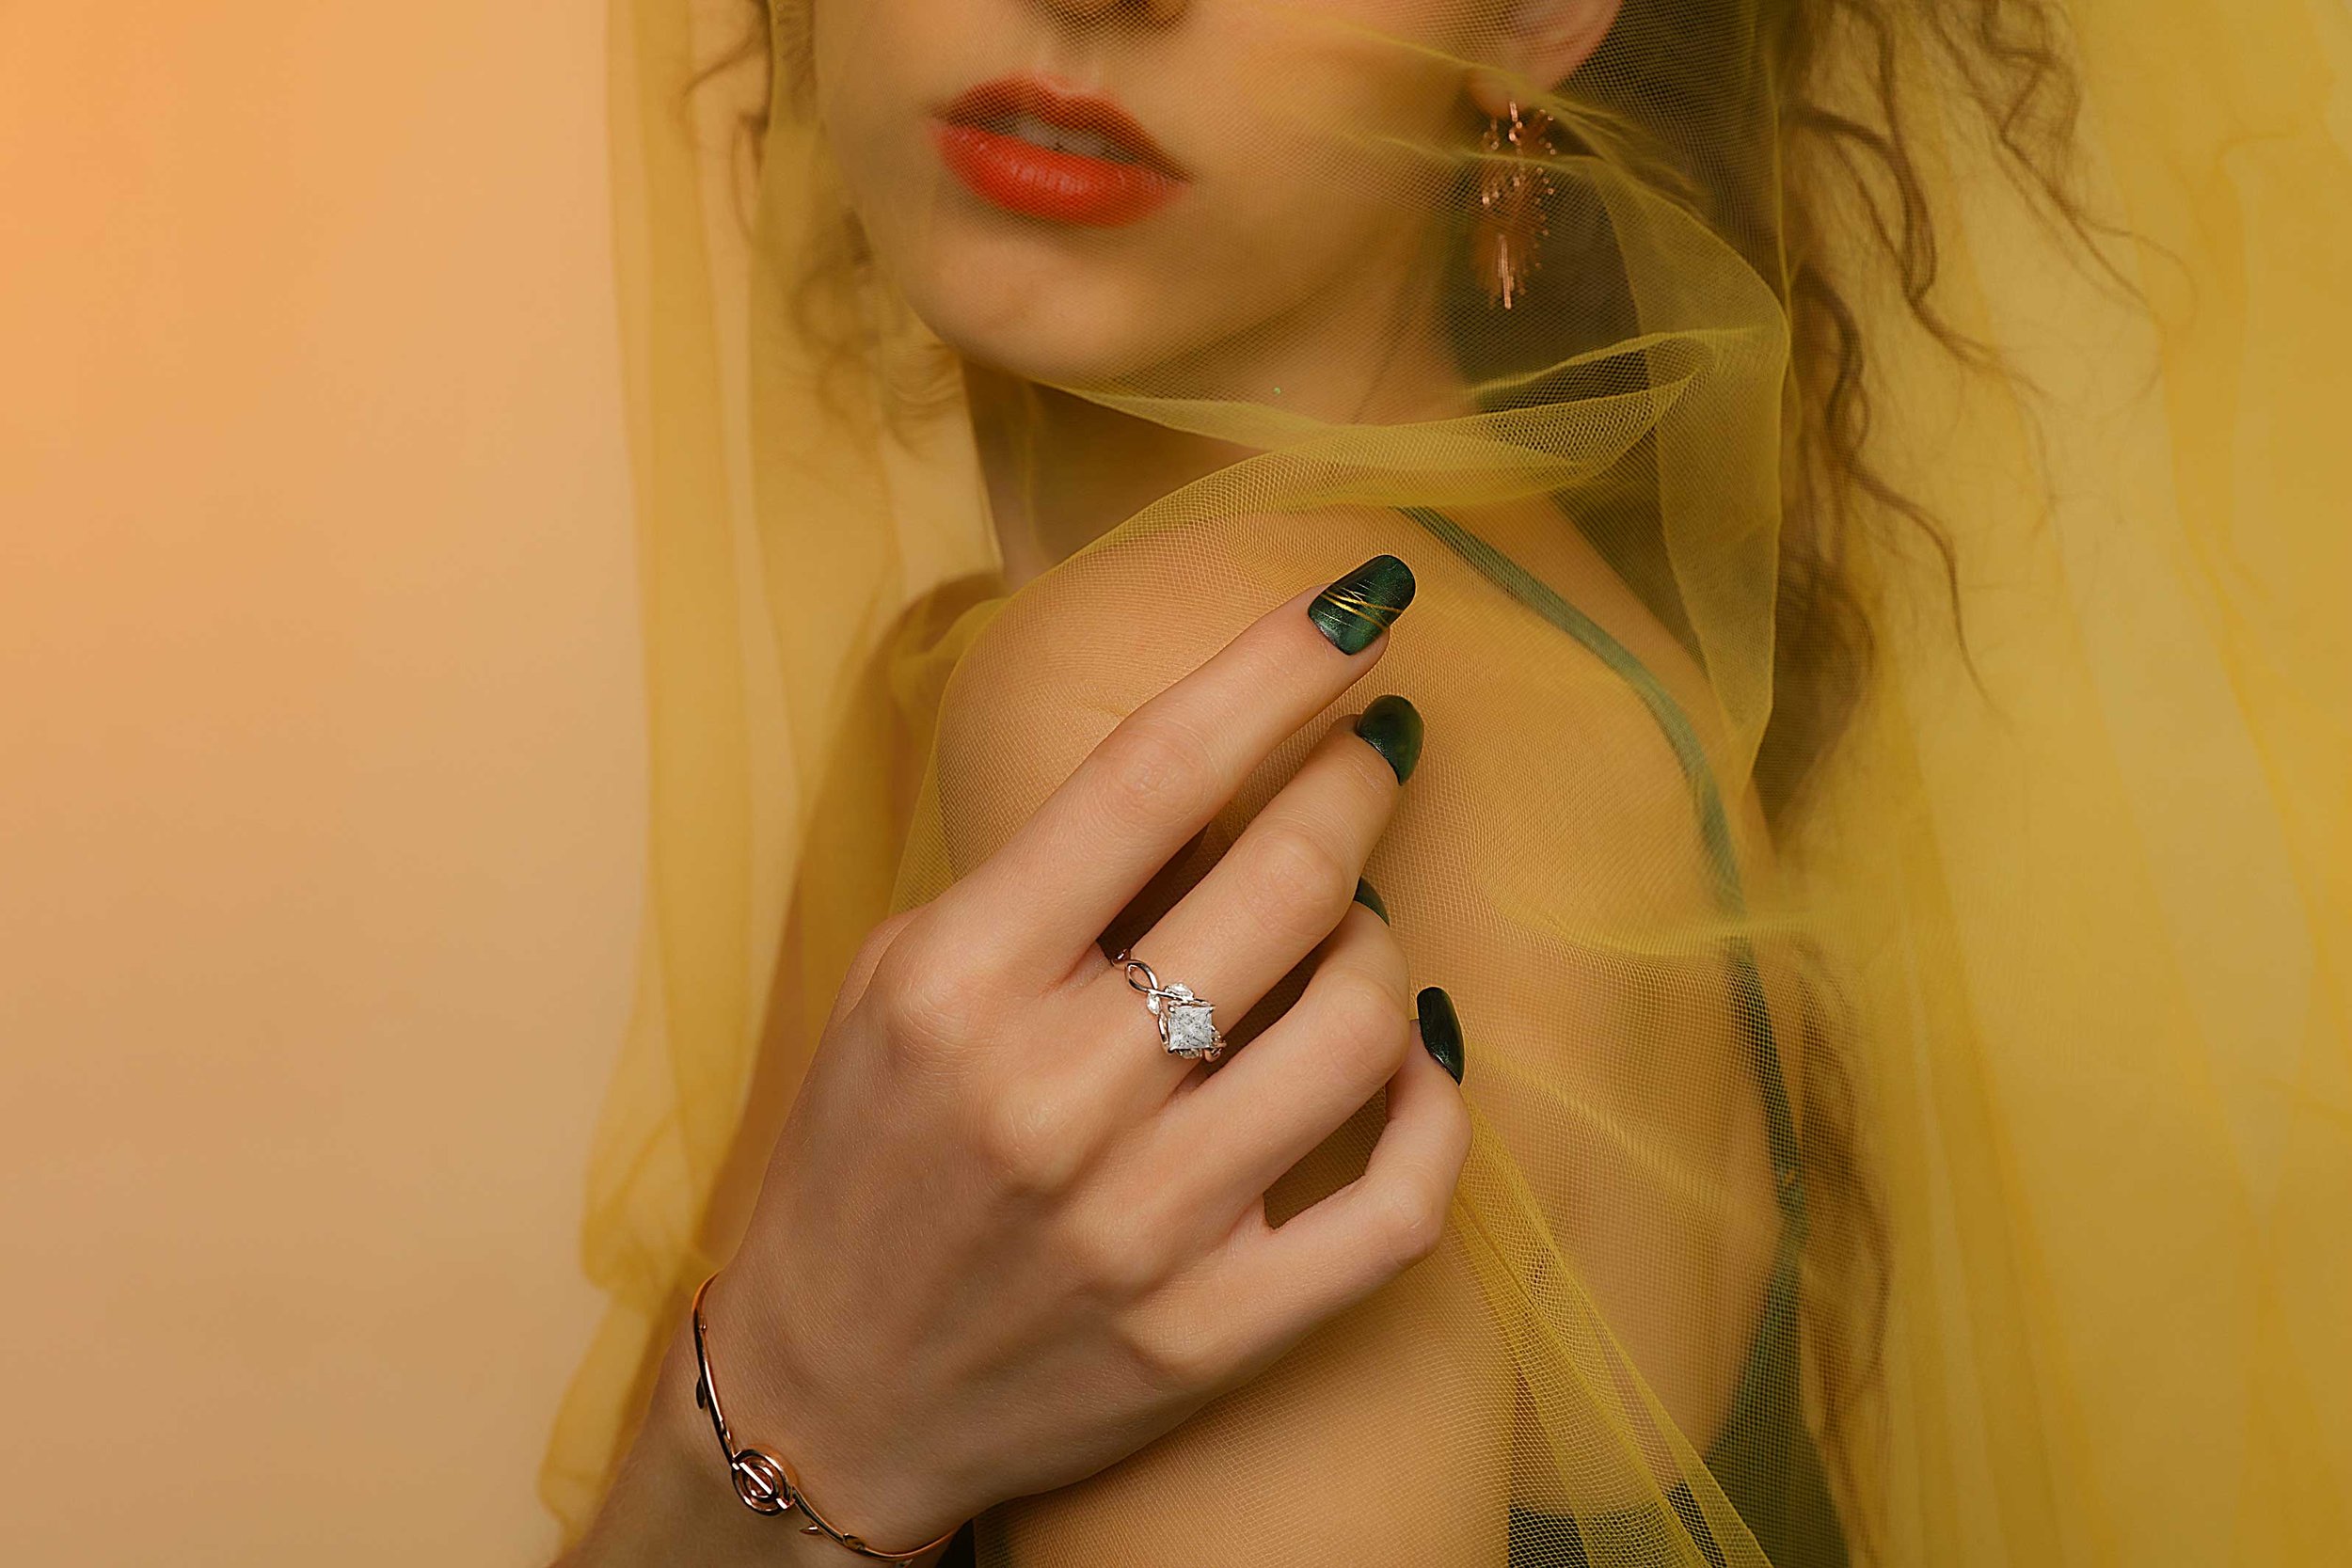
(1155, 418)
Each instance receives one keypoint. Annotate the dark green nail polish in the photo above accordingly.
(1369, 896)
(1391, 727)
(1441, 1030)
(1363, 604)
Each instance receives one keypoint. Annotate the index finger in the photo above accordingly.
(1158, 778)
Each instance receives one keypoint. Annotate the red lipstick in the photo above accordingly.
(1029, 147)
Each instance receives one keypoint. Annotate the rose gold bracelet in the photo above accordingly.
(762, 1478)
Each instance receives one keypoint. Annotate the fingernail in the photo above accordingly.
(1441, 1030)
(1369, 896)
(1391, 727)
(1363, 604)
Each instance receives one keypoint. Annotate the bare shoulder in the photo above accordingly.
(1550, 864)
(1073, 653)
(1546, 740)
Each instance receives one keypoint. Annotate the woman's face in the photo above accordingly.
(1221, 192)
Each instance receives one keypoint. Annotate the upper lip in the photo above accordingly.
(1026, 95)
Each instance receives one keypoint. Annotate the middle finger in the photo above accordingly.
(1281, 890)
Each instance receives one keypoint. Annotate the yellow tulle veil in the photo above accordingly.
(1887, 817)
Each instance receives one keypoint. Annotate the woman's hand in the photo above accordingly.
(1005, 1238)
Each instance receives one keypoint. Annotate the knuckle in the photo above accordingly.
(1116, 1262)
(924, 1004)
(1410, 1220)
(1303, 878)
(1029, 1141)
(885, 937)
(1177, 1355)
(1366, 1029)
(1152, 769)
(867, 964)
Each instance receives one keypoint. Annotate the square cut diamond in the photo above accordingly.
(1190, 1031)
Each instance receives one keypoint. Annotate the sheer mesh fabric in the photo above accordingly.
(1886, 815)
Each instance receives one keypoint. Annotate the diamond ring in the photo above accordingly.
(1188, 1022)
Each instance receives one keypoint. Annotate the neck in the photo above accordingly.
(1062, 470)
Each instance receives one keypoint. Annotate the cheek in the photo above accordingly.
(1350, 147)
(879, 66)
(1360, 95)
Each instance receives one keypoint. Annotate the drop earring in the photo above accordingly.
(1514, 200)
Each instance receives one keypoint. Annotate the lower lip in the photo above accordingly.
(1060, 187)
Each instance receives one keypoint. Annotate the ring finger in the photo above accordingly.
(1300, 1082)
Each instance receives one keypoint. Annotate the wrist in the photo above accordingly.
(674, 1500)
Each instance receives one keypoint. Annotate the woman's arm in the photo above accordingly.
(1005, 1238)
(673, 1498)
(1533, 853)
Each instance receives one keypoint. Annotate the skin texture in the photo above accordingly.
(979, 1269)
(1288, 240)
(1679, 1282)
(1040, 1263)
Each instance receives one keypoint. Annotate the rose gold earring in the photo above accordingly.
(1514, 200)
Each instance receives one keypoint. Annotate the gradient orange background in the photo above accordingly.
(320, 756)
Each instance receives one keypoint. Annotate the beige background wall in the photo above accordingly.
(319, 770)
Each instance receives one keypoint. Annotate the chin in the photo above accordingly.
(1060, 341)
(1031, 308)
